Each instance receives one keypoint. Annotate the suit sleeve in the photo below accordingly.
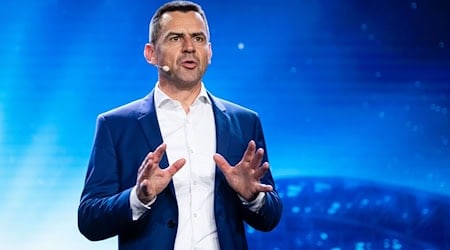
(104, 210)
(269, 214)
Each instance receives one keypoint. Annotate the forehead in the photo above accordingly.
(190, 21)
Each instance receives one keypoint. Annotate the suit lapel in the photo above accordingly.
(148, 122)
(222, 123)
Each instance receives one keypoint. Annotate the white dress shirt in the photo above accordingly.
(190, 136)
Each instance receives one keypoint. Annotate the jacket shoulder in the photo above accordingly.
(233, 108)
(131, 110)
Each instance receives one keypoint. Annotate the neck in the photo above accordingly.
(186, 96)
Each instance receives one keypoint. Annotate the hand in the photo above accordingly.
(245, 176)
(151, 179)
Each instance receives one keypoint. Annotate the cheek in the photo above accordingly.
(207, 57)
(168, 50)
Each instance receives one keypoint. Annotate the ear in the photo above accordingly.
(209, 53)
(149, 53)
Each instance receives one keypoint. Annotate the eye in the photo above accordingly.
(199, 39)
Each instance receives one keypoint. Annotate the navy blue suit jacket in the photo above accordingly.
(123, 138)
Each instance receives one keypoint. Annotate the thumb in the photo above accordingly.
(177, 165)
(221, 162)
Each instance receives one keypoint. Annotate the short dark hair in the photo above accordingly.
(183, 6)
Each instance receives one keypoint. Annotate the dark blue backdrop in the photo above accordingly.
(354, 98)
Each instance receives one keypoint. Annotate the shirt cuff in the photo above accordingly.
(137, 207)
(256, 204)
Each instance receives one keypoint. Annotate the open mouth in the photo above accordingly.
(189, 64)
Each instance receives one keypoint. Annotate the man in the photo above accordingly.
(180, 168)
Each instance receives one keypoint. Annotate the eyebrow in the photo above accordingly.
(181, 34)
(198, 34)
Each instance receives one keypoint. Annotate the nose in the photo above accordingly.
(188, 46)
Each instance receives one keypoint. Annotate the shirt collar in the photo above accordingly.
(161, 98)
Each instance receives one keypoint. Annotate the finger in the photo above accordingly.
(249, 152)
(145, 168)
(144, 162)
(148, 166)
(158, 153)
(221, 162)
(257, 159)
(177, 165)
(264, 187)
(262, 170)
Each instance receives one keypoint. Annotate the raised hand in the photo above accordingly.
(245, 176)
(151, 179)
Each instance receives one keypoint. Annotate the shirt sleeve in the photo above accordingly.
(137, 207)
(255, 204)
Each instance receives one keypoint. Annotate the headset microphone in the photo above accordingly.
(164, 68)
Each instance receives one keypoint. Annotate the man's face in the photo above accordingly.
(183, 46)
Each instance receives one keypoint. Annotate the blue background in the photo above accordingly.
(353, 95)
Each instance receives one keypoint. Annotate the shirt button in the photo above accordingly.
(194, 183)
(195, 215)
